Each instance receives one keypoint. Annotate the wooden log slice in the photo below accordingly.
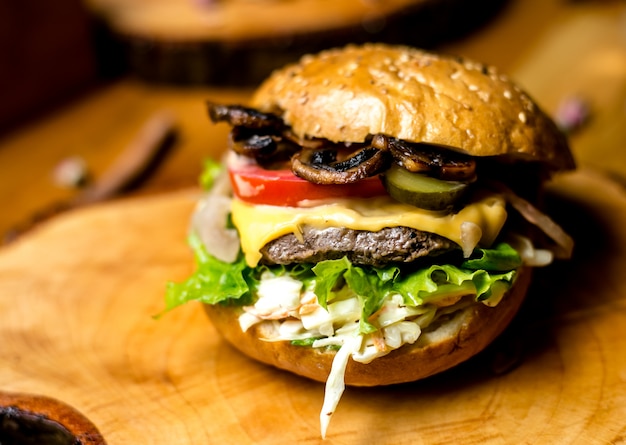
(239, 42)
(28, 419)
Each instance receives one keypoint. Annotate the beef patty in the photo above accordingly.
(389, 245)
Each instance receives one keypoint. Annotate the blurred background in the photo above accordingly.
(105, 98)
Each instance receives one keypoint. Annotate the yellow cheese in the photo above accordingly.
(260, 224)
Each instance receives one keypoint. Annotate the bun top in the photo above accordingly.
(346, 94)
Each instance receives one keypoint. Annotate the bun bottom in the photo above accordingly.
(464, 335)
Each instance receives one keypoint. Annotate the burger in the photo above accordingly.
(376, 217)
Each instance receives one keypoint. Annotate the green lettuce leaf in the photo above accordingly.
(210, 171)
(437, 281)
(370, 287)
(328, 274)
(501, 257)
(213, 281)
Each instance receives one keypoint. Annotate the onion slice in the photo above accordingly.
(209, 222)
(565, 243)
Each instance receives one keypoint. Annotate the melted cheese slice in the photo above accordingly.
(260, 224)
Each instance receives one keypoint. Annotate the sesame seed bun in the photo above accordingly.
(462, 336)
(346, 94)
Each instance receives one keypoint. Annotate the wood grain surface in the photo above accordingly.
(78, 297)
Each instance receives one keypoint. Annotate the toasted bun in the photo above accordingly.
(455, 341)
(349, 93)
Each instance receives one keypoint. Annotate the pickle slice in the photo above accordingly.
(422, 191)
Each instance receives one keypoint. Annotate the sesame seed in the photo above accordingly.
(472, 87)
(522, 117)
(508, 94)
(484, 96)
(455, 75)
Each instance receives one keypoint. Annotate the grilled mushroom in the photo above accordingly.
(266, 138)
(252, 144)
(240, 116)
(424, 158)
(322, 166)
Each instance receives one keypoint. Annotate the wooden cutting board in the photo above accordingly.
(78, 296)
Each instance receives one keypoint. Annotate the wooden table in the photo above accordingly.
(83, 299)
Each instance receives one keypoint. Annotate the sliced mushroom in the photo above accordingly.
(253, 144)
(424, 158)
(240, 116)
(322, 166)
(266, 138)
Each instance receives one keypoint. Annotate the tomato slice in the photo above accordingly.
(256, 185)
